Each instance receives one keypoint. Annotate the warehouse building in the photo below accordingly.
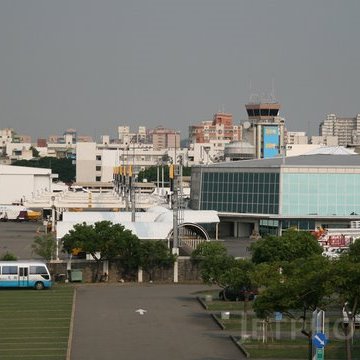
(20, 184)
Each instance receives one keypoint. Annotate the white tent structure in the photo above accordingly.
(156, 223)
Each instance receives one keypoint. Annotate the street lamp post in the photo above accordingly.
(53, 225)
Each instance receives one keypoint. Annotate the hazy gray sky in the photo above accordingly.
(94, 65)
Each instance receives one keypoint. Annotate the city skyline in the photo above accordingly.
(96, 66)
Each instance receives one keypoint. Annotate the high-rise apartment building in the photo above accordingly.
(126, 137)
(163, 138)
(347, 129)
(220, 128)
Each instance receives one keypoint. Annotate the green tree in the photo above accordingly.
(290, 246)
(8, 257)
(104, 241)
(346, 284)
(212, 259)
(219, 268)
(63, 167)
(155, 254)
(35, 152)
(44, 246)
(150, 174)
(293, 288)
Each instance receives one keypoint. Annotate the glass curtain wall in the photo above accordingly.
(320, 194)
(240, 192)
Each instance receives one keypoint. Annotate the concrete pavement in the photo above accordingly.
(174, 326)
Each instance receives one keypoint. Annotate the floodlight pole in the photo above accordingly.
(175, 205)
(132, 188)
(53, 225)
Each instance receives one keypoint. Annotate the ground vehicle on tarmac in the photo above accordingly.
(24, 274)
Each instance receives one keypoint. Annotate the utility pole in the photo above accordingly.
(132, 188)
(53, 225)
(175, 248)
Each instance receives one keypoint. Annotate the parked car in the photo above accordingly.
(237, 294)
(346, 318)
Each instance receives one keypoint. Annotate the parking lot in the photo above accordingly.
(173, 326)
(17, 237)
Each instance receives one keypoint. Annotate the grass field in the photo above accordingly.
(286, 340)
(35, 324)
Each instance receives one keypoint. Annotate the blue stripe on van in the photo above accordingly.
(15, 283)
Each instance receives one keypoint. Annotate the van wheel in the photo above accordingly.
(39, 285)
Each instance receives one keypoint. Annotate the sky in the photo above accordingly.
(95, 65)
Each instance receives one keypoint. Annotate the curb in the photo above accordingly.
(240, 346)
(202, 303)
(221, 325)
(71, 330)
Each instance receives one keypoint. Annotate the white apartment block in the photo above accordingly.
(206, 153)
(96, 162)
(6, 136)
(345, 128)
(325, 140)
(296, 137)
(126, 137)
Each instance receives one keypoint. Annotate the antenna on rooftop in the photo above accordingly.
(254, 96)
(272, 95)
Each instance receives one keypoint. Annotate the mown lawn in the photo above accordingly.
(35, 324)
(297, 349)
(285, 338)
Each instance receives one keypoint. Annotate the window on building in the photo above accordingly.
(98, 157)
(98, 168)
(98, 178)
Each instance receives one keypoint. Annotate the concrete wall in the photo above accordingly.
(18, 182)
(107, 164)
(85, 162)
(187, 272)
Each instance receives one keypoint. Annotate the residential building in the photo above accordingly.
(163, 138)
(64, 146)
(220, 128)
(95, 162)
(14, 146)
(126, 137)
(296, 137)
(207, 152)
(328, 140)
(347, 129)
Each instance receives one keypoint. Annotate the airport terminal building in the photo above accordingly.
(270, 195)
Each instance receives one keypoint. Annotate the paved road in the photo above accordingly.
(174, 327)
(16, 238)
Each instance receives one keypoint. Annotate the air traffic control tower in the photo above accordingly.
(265, 129)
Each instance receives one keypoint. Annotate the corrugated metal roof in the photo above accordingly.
(23, 170)
(317, 160)
(331, 150)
